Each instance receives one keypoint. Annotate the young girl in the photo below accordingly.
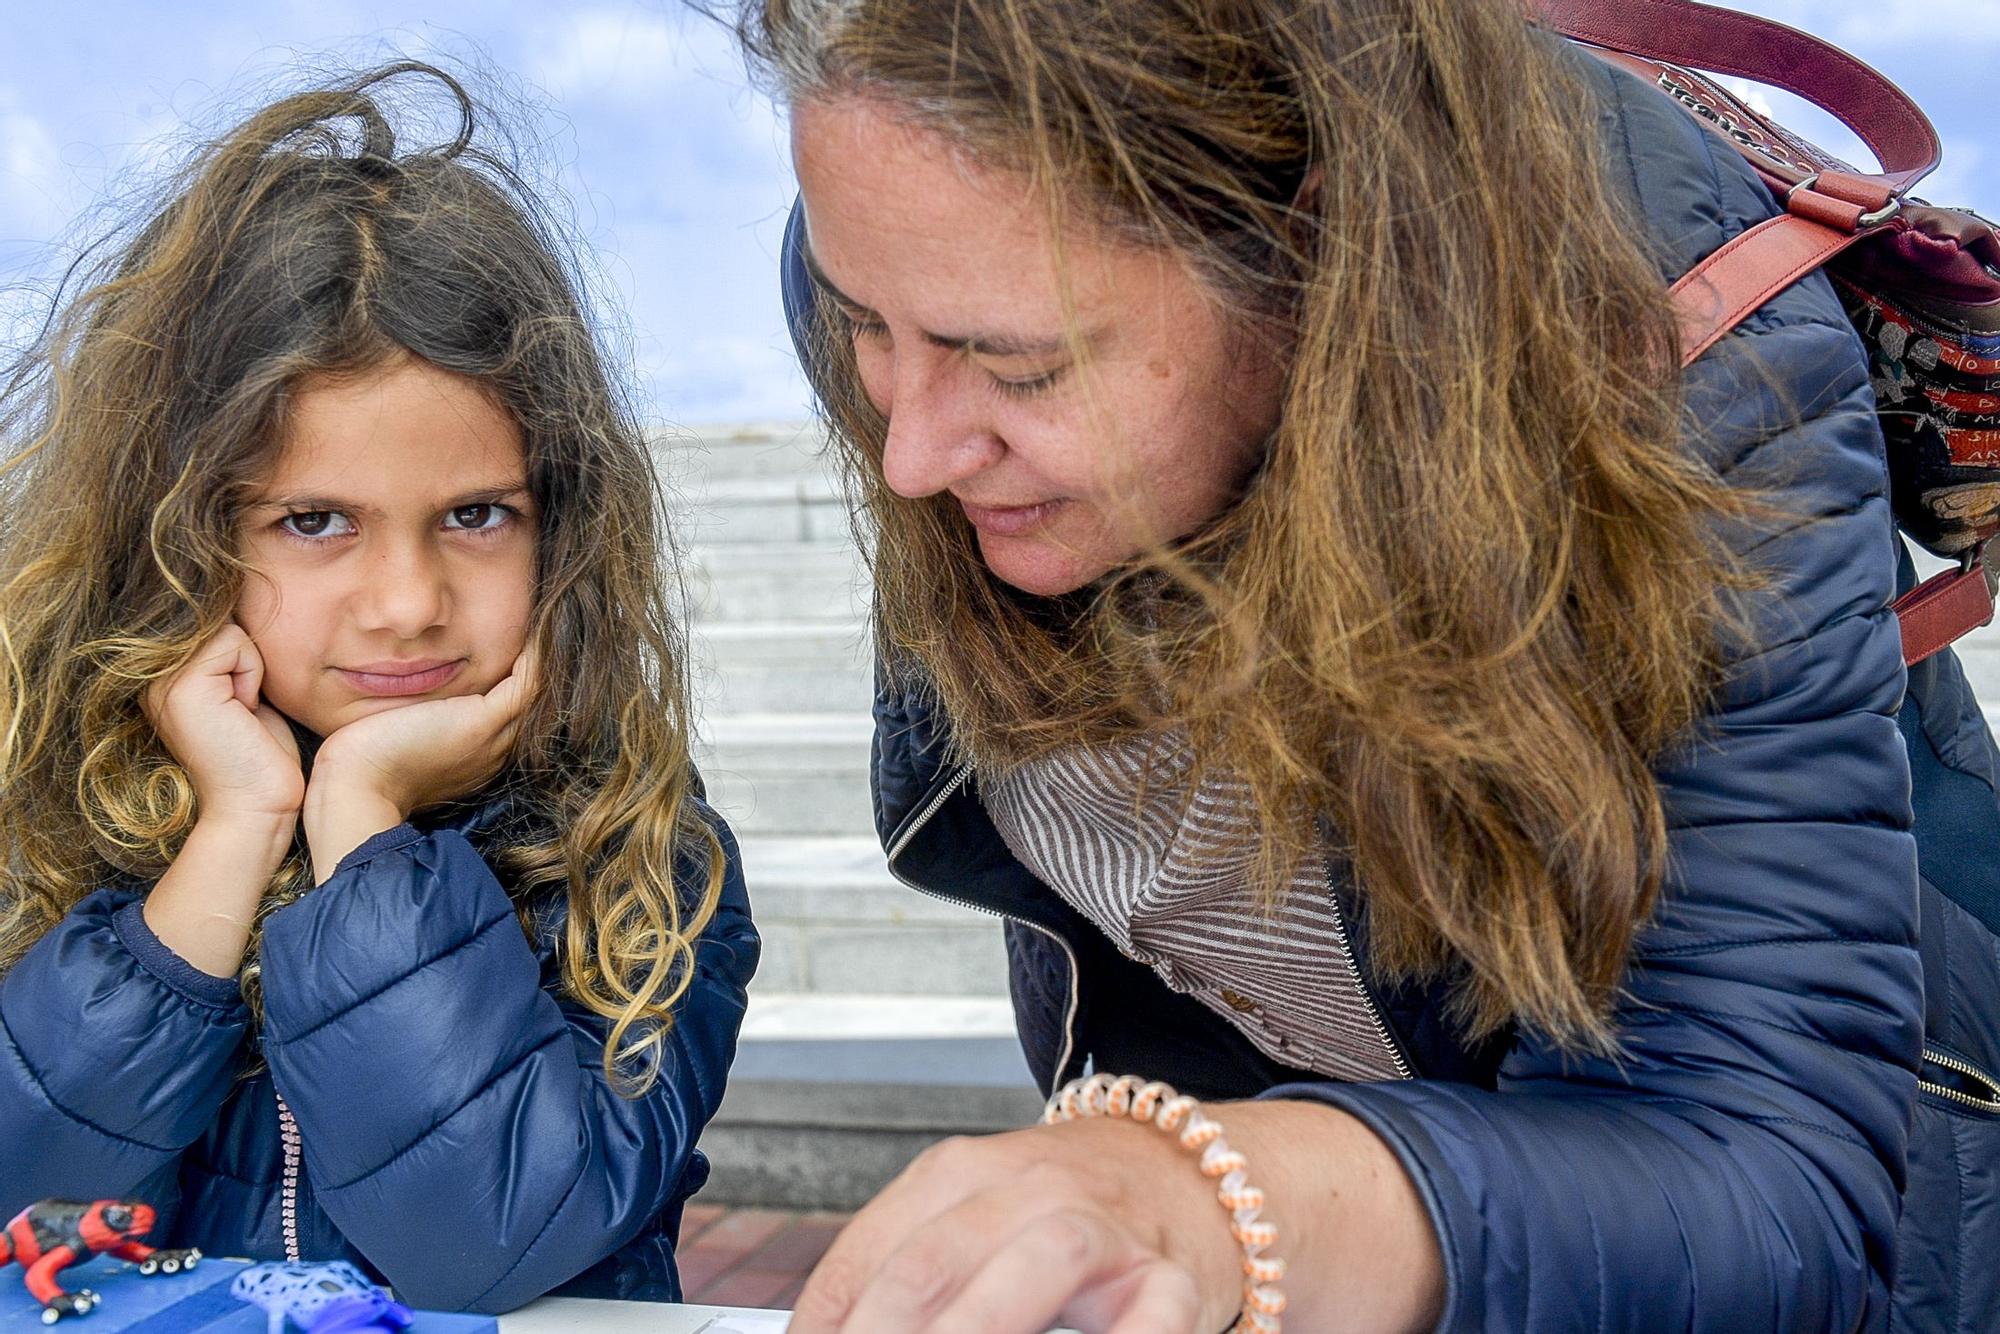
(359, 901)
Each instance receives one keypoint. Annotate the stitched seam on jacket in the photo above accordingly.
(1958, 1275)
(439, 1124)
(1726, 1017)
(1764, 942)
(1875, 614)
(28, 1067)
(1841, 1135)
(1868, 501)
(541, 1232)
(420, 966)
(1715, 179)
(1831, 821)
(213, 1170)
(678, 1036)
(1667, 1101)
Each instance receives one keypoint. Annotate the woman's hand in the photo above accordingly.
(1110, 1227)
(370, 774)
(1106, 1226)
(238, 751)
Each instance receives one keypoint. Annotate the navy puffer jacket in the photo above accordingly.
(455, 1131)
(1745, 1164)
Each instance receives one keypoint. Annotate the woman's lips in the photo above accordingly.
(1009, 520)
(400, 678)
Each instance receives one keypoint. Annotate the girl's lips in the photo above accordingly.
(1009, 520)
(414, 678)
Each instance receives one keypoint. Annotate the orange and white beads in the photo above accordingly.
(1182, 1117)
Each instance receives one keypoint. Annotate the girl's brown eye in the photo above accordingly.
(314, 523)
(479, 518)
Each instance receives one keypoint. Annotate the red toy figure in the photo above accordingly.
(51, 1235)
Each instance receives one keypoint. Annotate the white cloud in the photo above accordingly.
(37, 192)
(1958, 181)
(1965, 26)
(625, 55)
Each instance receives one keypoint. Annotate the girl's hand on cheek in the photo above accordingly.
(371, 774)
(238, 751)
(1100, 1225)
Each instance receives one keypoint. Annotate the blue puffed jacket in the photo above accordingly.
(1803, 1131)
(454, 1132)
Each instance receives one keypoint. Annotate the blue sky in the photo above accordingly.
(675, 171)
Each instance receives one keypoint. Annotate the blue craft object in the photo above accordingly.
(328, 1298)
(193, 1301)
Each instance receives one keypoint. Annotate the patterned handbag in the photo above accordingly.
(1921, 283)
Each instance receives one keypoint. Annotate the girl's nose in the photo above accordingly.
(406, 591)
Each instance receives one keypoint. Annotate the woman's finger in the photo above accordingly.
(924, 1274)
(940, 1174)
(1075, 1265)
(1164, 1297)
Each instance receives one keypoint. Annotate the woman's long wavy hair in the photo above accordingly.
(1473, 592)
(306, 243)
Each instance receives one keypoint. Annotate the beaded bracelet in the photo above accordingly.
(1182, 1117)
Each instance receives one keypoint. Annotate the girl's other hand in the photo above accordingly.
(370, 774)
(238, 751)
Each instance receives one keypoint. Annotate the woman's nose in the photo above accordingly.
(939, 434)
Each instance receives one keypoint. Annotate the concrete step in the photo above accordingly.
(761, 509)
(783, 667)
(789, 773)
(831, 1096)
(741, 450)
(777, 581)
(835, 922)
(1981, 658)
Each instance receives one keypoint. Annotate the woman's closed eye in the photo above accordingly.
(862, 326)
(1028, 388)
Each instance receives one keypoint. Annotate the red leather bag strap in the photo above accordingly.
(1943, 608)
(1723, 290)
(1722, 41)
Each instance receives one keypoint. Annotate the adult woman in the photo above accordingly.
(1263, 415)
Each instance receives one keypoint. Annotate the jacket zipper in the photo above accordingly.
(1987, 1101)
(288, 1202)
(1388, 1039)
(923, 817)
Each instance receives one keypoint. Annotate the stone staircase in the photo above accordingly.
(879, 1020)
(779, 624)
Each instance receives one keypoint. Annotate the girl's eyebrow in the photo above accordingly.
(998, 346)
(310, 503)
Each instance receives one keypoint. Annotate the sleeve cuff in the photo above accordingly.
(1381, 1116)
(176, 973)
(376, 844)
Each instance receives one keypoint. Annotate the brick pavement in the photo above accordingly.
(750, 1257)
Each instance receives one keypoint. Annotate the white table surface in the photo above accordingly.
(574, 1315)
